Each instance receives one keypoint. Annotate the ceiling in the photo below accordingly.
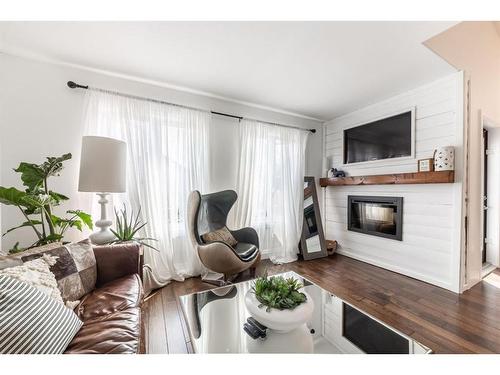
(316, 69)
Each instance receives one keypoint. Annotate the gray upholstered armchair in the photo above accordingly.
(208, 213)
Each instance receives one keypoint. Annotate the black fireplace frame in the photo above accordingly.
(397, 201)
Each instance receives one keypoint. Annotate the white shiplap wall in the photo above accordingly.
(432, 214)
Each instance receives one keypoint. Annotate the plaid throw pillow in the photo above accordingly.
(75, 269)
(222, 235)
(13, 260)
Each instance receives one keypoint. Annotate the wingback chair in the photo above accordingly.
(208, 213)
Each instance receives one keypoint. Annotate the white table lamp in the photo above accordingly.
(102, 171)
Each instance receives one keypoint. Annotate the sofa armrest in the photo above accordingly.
(115, 261)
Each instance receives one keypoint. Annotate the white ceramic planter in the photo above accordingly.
(280, 320)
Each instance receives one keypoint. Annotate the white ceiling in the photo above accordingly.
(317, 69)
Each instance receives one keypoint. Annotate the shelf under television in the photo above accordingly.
(440, 177)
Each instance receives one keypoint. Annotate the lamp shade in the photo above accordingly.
(102, 165)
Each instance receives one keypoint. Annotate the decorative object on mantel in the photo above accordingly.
(278, 303)
(37, 203)
(102, 171)
(337, 173)
(332, 171)
(444, 158)
(426, 165)
(443, 177)
(331, 247)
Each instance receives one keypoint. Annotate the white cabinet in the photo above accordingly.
(333, 328)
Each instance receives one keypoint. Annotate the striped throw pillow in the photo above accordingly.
(31, 322)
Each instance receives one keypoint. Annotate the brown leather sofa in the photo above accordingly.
(111, 313)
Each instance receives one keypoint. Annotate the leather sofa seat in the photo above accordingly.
(114, 296)
(116, 333)
(111, 316)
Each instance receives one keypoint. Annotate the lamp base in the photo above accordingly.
(104, 235)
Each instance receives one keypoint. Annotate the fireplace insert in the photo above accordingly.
(378, 216)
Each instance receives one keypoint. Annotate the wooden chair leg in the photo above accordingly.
(253, 272)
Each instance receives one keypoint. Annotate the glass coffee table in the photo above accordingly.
(215, 320)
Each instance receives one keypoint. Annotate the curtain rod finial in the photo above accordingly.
(73, 85)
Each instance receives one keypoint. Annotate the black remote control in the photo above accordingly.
(256, 324)
(252, 331)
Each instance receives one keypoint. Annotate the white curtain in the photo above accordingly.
(167, 158)
(271, 186)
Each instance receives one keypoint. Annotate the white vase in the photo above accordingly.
(444, 158)
(280, 320)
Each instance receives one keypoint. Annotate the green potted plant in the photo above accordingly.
(37, 203)
(128, 227)
(279, 303)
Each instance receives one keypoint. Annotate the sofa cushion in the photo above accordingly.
(13, 260)
(117, 295)
(223, 235)
(32, 322)
(116, 261)
(115, 333)
(37, 274)
(75, 269)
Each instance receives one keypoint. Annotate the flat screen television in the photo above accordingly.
(389, 138)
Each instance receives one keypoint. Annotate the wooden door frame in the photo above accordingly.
(488, 124)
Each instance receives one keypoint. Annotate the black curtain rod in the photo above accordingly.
(227, 115)
(73, 85)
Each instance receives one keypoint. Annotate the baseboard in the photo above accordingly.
(487, 269)
(397, 269)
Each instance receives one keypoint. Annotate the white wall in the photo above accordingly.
(40, 116)
(431, 245)
(474, 47)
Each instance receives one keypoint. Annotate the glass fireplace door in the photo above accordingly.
(378, 216)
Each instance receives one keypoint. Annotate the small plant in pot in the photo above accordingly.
(128, 227)
(279, 303)
(278, 293)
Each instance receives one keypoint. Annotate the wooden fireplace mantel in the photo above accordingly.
(441, 177)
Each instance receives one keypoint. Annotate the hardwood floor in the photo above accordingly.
(444, 321)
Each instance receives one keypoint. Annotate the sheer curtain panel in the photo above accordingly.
(271, 186)
(167, 150)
